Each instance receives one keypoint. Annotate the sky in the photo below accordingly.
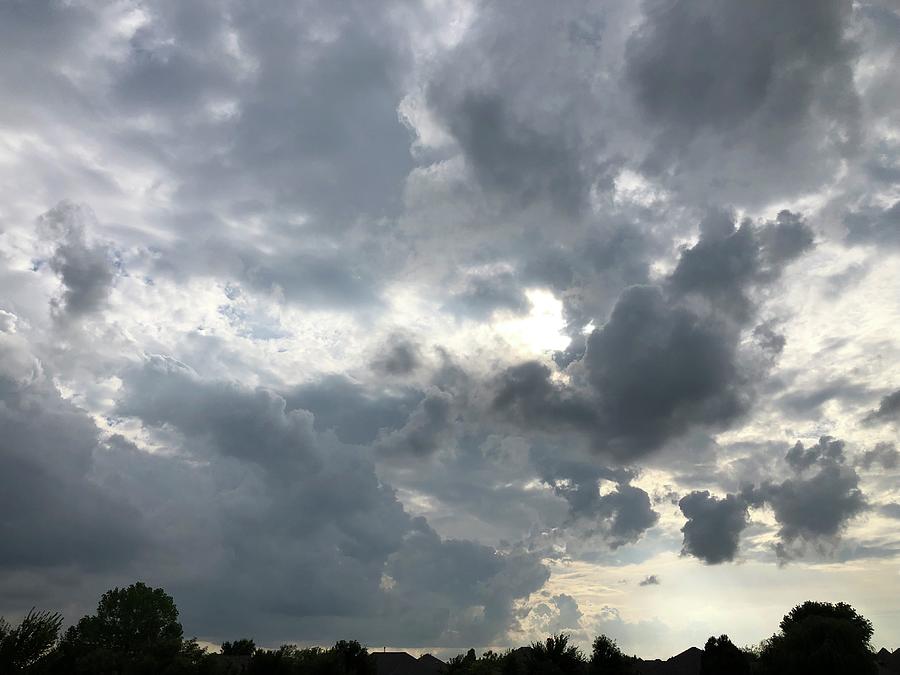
(446, 324)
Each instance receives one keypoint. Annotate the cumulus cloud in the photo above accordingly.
(400, 357)
(885, 454)
(817, 509)
(56, 516)
(426, 429)
(812, 509)
(714, 525)
(888, 409)
(662, 365)
(85, 270)
(772, 76)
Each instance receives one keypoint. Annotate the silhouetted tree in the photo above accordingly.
(556, 655)
(607, 658)
(722, 657)
(134, 632)
(242, 647)
(29, 643)
(822, 639)
(352, 658)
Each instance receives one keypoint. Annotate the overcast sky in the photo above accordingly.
(443, 324)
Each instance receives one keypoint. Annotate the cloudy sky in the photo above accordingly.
(452, 323)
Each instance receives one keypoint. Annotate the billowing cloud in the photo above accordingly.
(888, 409)
(85, 270)
(713, 528)
(400, 357)
(389, 322)
(662, 364)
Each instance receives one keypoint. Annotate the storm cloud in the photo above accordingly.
(663, 364)
(413, 323)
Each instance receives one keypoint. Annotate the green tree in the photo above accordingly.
(135, 632)
(722, 657)
(29, 643)
(607, 658)
(556, 655)
(352, 658)
(822, 639)
(242, 647)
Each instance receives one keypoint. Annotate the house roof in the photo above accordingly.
(402, 663)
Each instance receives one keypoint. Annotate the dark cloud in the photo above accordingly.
(661, 364)
(651, 580)
(428, 427)
(874, 226)
(727, 262)
(745, 88)
(888, 409)
(828, 451)
(333, 538)
(508, 155)
(713, 528)
(619, 516)
(486, 293)
(86, 271)
(55, 514)
(483, 94)
(400, 357)
(815, 509)
(658, 369)
(885, 454)
(808, 402)
(812, 509)
(354, 412)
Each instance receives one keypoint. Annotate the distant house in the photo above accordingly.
(888, 662)
(402, 663)
(687, 662)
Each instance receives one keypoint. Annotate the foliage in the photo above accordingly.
(30, 643)
(820, 638)
(556, 655)
(607, 658)
(242, 647)
(722, 657)
(136, 631)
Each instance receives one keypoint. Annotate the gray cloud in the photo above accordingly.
(329, 512)
(55, 515)
(812, 509)
(620, 516)
(713, 528)
(400, 357)
(651, 580)
(827, 450)
(354, 412)
(484, 294)
(815, 509)
(426, 429)
(885, 454)
(808, 402)
(727, 262)
(874, 226)
(888, 409)
(744, 88)
(662, 365)
(86, 271)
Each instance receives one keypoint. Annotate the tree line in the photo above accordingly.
(135, 631)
